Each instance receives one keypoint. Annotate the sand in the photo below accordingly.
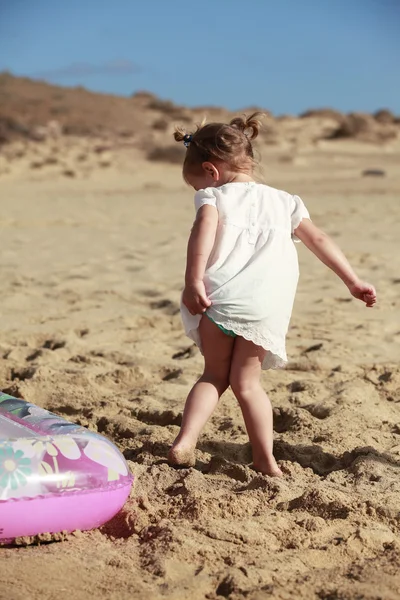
(91, 271)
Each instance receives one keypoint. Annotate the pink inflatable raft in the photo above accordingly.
(54, 475)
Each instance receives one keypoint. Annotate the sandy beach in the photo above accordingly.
(92, 270)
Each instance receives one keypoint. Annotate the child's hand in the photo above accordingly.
(363, 291)
(195, 298)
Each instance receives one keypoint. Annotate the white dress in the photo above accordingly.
(252, 273)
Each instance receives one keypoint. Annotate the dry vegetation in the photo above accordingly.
(71, 132)
(34, 111)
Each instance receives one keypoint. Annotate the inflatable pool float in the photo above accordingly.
(55, 475)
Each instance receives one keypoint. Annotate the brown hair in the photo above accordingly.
(230, 143)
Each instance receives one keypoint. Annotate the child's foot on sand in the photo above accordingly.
(267, 467)
(180, 456)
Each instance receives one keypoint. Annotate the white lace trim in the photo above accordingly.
(275, 357)
(276, 353)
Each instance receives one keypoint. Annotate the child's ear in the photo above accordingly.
(211, 170)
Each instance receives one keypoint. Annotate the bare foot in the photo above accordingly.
(181, 457)
(267, 466)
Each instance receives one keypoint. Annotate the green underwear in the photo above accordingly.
(226, 331)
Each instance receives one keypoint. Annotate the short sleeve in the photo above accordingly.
(203, 197)
(298, 213)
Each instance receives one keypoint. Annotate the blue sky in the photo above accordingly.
(282, 55)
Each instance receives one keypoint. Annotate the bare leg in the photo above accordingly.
(204, 396)
(254, 403)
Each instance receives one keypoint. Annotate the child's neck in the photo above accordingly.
(240, 177)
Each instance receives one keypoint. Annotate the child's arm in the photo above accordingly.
(200, 244)
(330, 254)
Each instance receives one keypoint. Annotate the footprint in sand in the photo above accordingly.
(186, 353)
(286, 419)
(319, 411)
(164, 418)
(54, 344)
(22, 374)
(168, 307)
(171, 374)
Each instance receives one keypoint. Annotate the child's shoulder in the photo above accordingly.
(209, 191)
(205, 196)
(237, 188)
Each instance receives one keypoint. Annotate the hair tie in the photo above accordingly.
(187, 139)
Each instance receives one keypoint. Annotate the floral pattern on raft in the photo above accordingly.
(52, 456)
(14, 468)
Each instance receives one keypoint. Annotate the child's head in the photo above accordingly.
(218, 151)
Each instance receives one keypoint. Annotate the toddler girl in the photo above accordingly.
(241, 278)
